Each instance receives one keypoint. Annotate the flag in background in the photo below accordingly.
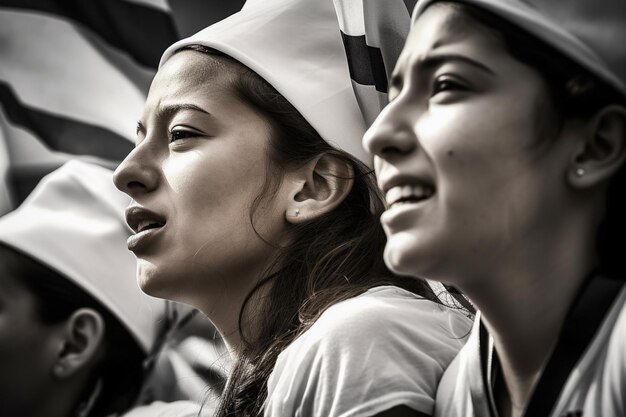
(74, 75)
(373, 33)
(6, 202)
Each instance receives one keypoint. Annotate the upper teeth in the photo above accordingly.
(144, 224)
(402, 192)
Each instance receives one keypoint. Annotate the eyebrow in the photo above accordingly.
(434, 61)
(168, 111)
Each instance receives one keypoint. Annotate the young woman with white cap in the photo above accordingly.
(501, 154)
(75, 330)
(251, 203)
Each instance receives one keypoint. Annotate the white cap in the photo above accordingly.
(73, 222)
(589, 32)
(296, 46)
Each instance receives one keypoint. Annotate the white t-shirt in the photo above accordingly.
(162, 409)
(384, 348)
(596, 386)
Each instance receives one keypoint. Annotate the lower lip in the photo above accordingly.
(397, 211)
(143, 239)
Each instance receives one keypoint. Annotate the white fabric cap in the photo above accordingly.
(589, 32)
(73, 222)
(296, 46)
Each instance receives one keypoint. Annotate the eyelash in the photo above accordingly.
(174, 134)
(441, 84)
(445, 83)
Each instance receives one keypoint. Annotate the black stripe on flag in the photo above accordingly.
(64, 134)
(365, 62)
(142, 31)
(410, 6)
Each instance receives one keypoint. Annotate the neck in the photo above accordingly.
(223, 308)
(524, 301)
(223, 304)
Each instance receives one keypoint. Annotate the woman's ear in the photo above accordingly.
(80, 341)
(322, 185)
(603, 150)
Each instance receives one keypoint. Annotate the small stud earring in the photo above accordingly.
(580, 172)
(297, 212)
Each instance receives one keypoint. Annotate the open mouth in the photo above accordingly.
(408, 194)
(147, 225)
(142, 220)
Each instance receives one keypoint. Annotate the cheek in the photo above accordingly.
(481, 143)
(220, 184)
(212, 198)
(23, 357)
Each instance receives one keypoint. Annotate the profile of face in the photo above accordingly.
(199, 164)
(27, 351)
(466, 151)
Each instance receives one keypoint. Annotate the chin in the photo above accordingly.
(406, 254)
(151, 280)
(401, 254)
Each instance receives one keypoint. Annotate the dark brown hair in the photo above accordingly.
(574, 92)
(330, 259)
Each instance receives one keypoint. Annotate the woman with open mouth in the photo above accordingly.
(252, 203)
(501, 154)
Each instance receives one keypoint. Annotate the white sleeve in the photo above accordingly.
(367, 355)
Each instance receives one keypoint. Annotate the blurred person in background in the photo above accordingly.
(501, 153)
(77, 336)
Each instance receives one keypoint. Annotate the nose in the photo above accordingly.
(137, 174)
(391, 133)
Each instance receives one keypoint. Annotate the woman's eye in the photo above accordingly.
(446, 83)
(180, 134)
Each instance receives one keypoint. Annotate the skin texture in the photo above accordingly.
(199, 162)
(509, 222)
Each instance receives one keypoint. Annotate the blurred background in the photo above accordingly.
(74, 75)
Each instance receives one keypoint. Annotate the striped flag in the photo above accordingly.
(74, 75)
(373, 33)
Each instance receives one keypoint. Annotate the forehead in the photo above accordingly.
(190, 73)
(445, 28)
(194, 67)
